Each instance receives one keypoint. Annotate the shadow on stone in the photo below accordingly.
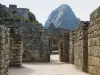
(20, 71)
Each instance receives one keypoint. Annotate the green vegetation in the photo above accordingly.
(21, 18)
(97, 15)
(35, 22)
(31, 17)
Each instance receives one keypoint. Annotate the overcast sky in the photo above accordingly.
(42, 8)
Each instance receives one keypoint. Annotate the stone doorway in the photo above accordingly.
(60, 47)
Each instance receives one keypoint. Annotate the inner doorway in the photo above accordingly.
(59, 48)
(54, 51)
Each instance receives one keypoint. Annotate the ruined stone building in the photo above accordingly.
(84, 45)
(23, 39)
(81, 46)
(54, 34)
(33, 42)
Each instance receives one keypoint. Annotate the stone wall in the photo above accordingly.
(63, 46)
(18, 11)
(13, 46)
(4, 50)
(16, 48)
(85, 46)
(71, 46)
(94, 43)
(29, 42)
(60, 48)
(10, 50)
(45, 46)
(34, 43)
(81, 46)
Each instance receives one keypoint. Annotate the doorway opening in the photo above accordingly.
(54, 51)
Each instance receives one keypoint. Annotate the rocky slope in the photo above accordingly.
(62, 17)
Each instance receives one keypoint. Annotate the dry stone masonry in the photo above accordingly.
(86, 45)
(71, 46)
(34, 42)
(7, 56)
(63, 47)
(10, 50)
(94, 43)
(20, 42)
(4, 50)
(80, 46)
(16, 48)
(27, 42)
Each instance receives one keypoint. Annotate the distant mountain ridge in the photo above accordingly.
(62, 17)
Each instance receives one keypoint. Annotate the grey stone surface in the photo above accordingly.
(79, 46)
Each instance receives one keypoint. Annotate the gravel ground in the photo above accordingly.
(53, 68)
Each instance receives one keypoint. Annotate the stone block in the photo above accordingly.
(92, 70)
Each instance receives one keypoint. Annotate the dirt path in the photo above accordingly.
(53, 68)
